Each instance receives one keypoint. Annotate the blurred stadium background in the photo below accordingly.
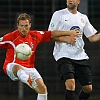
(41, 12)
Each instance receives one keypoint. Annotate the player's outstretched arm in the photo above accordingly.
(72, 33)
(66, 39)
(94, 38)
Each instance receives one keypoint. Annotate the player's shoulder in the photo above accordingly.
(62, 11)
(10, 36)
(34, 33)
(37, 35)
(12, 33)
(82, 15)
(15, 32)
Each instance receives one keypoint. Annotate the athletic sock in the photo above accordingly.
(69, 95)
(42, 97)
(22, 76)
(83, 95)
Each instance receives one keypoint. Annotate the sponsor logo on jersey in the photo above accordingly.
(1, 38)
(74, 27)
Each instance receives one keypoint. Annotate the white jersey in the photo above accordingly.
(65, 20)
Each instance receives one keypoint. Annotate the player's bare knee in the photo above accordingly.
(43, 89)
(16, 68)
(87, 89)
(70, 84)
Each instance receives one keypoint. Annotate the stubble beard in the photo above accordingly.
(71, 7)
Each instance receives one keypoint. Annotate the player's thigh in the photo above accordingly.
(41, 87)
(65, 69)
(84, 75)
(10, 72)
(33, 70)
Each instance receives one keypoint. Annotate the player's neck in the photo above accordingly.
(24, 36)
(73, 11)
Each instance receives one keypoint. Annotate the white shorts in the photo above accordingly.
(27, 70)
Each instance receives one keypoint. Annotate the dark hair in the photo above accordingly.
(24, 16)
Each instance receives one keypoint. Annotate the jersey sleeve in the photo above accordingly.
(54, 21)
(42, 36)
(45, 36)
(89, 30)
(4, 40)
(2, 43)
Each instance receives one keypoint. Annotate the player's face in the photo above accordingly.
(72, 4)
(24, 27)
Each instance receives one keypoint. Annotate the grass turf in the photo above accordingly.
(50, 98)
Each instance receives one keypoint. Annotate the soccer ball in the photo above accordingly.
(23, 51)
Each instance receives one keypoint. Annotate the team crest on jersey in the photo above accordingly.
(32, 45)
(82, 20)
(52, 24)
(1, 38)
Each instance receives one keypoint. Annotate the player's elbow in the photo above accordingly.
(92, 39)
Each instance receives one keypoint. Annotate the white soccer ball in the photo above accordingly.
(23, 51)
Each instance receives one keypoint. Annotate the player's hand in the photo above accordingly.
(74, 33)
(70, 39)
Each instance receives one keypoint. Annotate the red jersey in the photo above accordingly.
(11, 40)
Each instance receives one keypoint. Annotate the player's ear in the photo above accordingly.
(66, 2)
(78, 1)
(17, 24)
(30, 24)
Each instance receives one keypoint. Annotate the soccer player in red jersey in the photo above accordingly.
(24, 70)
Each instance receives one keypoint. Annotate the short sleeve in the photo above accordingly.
(89, 30)
(54, 21)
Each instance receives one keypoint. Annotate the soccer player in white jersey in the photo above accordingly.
(69, 53)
